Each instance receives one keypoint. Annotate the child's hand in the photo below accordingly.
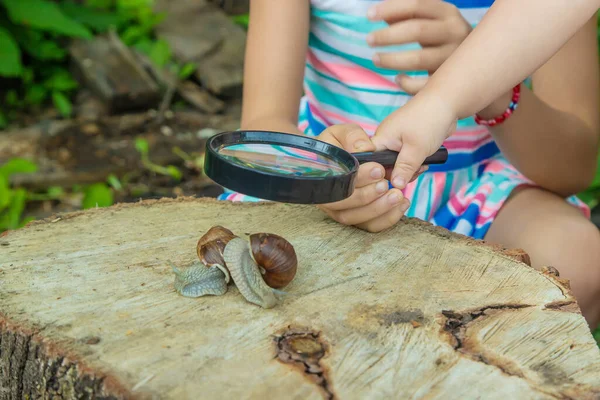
(416, 131)
(372, 206)
(438, 26)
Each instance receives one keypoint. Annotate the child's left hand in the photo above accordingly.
(438, 26)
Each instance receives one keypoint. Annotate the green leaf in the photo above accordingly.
(144, 45)
(36, 95)
(242, 20)
(114, 182)
(97, 195)
(62, 103)
(5, 193)
(12, 215)
(55, 192)
(10, 55)
(44, 50)
(187, 70)
(61, 80)
(17, 166)
(101, 4)
(12, 98)
(132, 34)
(98, 20)
(142, 146)
(44, 15)
(174, 172)
(160, 53)
(3, 120)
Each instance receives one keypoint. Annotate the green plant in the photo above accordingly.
(143, 148)
(13, 200)
(33, 39)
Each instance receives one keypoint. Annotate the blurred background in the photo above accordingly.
(105, 101)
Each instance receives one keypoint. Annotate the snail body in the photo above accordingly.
(246, 274)
(258, 266)
(197, 280)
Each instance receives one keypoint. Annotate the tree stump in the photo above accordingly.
(89, 311)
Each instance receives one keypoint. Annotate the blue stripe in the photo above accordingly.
(471, 3)
(315, 126)
(465, 160)
(315, 42)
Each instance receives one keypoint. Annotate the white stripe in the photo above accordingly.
(473, 15)
(357, 7)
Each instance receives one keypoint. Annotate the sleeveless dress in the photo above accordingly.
(342, 85)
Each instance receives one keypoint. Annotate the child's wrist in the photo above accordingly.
(497, 107)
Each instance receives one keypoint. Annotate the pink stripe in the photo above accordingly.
(439, 181)
(332, 118)
(350, 74)
(476, 131)
(409, 190)
(468, 145)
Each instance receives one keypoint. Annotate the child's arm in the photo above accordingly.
(512, 41)
(274, 64)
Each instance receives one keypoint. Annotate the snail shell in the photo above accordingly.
(211, 245)
(276, 257)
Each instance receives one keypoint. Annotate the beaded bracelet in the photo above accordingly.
(506, 114)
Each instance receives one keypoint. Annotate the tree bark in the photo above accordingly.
(88, 310)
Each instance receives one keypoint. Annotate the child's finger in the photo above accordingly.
(369, 173)
(410, 84)
(380, 206)
(386, 220)
(410, 159)
(350, 137)
(360, 197)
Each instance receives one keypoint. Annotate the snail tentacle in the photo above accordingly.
(200, 280)
(246, 274)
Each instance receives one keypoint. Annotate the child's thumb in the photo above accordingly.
(410, 159)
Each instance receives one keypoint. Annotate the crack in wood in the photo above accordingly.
(456, 322)
(305, 349)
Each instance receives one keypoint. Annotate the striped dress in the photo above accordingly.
(342, 85)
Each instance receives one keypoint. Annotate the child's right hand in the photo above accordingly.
(372, 206)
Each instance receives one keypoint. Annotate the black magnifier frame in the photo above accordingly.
(292, 188)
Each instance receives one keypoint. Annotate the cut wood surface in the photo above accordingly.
(89, 311)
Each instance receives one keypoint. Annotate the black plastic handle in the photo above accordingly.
(387, 158)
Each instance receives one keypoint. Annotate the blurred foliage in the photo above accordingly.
(34, 35)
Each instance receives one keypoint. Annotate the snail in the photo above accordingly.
(259, 266)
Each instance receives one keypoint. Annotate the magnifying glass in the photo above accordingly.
(290, 168)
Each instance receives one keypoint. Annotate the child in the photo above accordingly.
(358, 76)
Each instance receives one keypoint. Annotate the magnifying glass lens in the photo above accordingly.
(282, 160)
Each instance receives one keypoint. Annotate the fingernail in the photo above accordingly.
(376, 59)
(399, 182)
(370, 39)
(376, 173)
(361, 144)
(372, 13)
(381, 187)
(394, 198)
